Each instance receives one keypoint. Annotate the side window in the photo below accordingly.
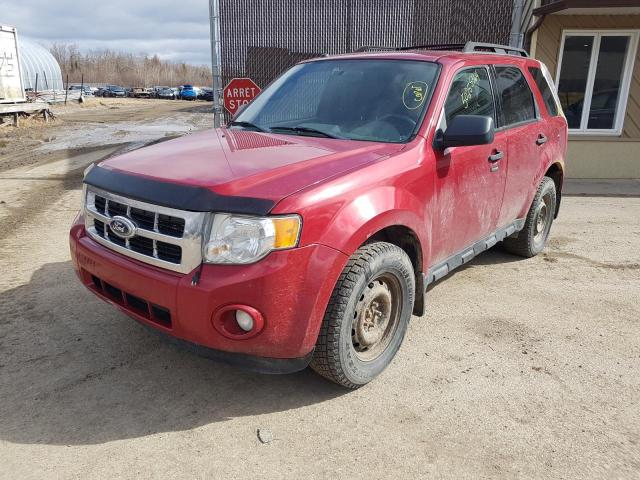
(470, 94)
(545, 90)
(515, 96)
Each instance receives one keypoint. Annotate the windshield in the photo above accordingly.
(375, 100)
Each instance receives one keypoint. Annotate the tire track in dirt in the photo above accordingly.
(41, 189)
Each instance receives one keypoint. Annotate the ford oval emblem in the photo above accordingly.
(122, 227)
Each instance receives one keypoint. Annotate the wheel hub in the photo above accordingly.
(542, 218)
(375, 318)
(373, 315)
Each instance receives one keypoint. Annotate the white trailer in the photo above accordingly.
(11, 87)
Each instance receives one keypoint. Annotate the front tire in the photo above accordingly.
(367, 316)
(532, 239)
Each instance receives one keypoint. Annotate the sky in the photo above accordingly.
(174, 30)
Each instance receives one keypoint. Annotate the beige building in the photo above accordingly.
(591, 48)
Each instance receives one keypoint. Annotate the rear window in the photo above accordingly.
(515, 96)
(545, 90)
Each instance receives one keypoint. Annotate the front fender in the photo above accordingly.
(368, 213)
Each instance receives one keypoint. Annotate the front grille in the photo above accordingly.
(116, 239)
(171, 225)
(99, 226)
(143, 218)
(169, 253)
(116, 208)
(144, 246)
(165, 237)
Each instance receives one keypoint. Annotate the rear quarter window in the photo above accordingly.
(545, 91)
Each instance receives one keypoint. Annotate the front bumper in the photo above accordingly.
(289, 288)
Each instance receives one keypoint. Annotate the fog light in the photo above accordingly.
(237, 321)
(245, 321)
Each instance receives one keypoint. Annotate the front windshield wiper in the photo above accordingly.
(237, 123)
(303, 130)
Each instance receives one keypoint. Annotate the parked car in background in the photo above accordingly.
(114, 91)
(139, 92)
(86, 90)
(166, 94)
(308, 230)
(206, 94)
(188, 92)
(157, 89)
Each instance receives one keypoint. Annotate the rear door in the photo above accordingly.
(526, 135)
(469, 180)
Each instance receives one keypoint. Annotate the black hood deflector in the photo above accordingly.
(174, 195)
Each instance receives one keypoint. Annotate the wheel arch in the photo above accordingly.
(406, 239)
(385, 213)
(556, 173)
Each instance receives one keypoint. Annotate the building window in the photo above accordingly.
(593, 79)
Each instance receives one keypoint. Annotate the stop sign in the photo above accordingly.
(239, 91)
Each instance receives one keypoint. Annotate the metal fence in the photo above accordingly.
(260, 39)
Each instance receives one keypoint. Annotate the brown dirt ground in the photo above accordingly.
(520, 368)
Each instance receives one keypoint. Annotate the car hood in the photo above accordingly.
(249, 164)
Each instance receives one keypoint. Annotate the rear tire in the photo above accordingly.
(367, 316)
(532, 238)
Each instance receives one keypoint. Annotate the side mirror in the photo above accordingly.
(465, 131)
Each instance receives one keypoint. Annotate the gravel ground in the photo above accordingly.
(520, 368)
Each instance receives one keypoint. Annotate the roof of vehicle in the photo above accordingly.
(490, 53)
(426, 55)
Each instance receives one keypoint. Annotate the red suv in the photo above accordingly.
(307, 230)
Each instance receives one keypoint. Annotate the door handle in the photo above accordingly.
(496, 157)
(541, 139)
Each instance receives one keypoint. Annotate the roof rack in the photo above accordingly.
(435, 46)
(469, 47)
(494, 48)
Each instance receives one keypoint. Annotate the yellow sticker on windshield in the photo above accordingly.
(414, 95)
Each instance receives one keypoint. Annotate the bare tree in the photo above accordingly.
(110, 67)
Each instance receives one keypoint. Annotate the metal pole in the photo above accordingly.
(66, 91)
(516, 39)
(36, 85)
(214, 19)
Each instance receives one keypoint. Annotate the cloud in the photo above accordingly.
(177, 31)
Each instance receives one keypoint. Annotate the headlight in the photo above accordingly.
(241, 240)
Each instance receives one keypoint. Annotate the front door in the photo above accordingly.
(469, 181)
